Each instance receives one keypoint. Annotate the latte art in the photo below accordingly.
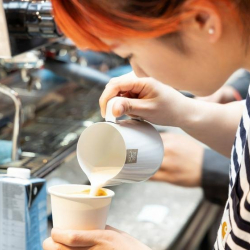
(86, 192)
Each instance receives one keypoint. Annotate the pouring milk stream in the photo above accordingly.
(115, 152)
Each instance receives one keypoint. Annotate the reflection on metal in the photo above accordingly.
(17, 119)
(29, 60)
(27, 64)
(26, 25)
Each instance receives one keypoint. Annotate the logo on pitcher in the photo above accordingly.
(131, 156)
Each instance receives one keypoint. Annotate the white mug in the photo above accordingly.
(127, 150)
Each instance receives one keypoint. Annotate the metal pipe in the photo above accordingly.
(17, 119)
(84, 76)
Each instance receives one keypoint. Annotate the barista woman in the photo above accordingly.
(192, 45)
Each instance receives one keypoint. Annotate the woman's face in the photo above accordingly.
(201, 67)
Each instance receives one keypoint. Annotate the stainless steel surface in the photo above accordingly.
(130, 199)
(54, 116)
(26, 61)
(51, 136)
(17, 119)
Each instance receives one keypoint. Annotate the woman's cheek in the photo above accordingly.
(138, 70)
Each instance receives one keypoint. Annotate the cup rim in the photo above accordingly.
(56, 193)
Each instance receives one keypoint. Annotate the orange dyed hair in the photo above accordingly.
(85, 21)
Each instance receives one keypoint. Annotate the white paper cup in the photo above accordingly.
(79, 212)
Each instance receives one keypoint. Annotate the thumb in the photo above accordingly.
(129, 106)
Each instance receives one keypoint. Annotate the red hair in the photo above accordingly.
(86, 21)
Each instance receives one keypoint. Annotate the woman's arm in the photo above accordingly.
(214, 124)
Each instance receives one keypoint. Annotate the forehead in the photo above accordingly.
(127, 43)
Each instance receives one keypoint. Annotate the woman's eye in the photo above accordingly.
(129, 57)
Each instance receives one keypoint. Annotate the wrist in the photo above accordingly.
(190, 114)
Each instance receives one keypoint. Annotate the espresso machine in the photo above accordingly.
(49, 94)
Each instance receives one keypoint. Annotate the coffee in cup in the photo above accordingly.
(86, 192)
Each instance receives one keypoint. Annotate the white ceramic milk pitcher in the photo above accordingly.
(116, 152)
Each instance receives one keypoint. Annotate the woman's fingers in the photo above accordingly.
(133, 107)
(120, 85)
(74, 238)
(115, 230)
(49, 244)
(163, 176)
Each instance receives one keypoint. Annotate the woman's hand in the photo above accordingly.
(109, 239)
(182, 162)
(211, 123)
(146, 98)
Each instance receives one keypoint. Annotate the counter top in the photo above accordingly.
(130, 199)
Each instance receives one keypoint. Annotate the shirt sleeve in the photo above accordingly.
(215, 177)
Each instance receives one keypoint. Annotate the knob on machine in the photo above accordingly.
(30, 19)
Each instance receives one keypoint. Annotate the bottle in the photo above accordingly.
(23, 211)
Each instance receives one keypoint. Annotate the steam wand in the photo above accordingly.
(17, 119)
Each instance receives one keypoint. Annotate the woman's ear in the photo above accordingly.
(206, 23)
(210, 24)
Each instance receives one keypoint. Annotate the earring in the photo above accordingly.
(211, 31)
